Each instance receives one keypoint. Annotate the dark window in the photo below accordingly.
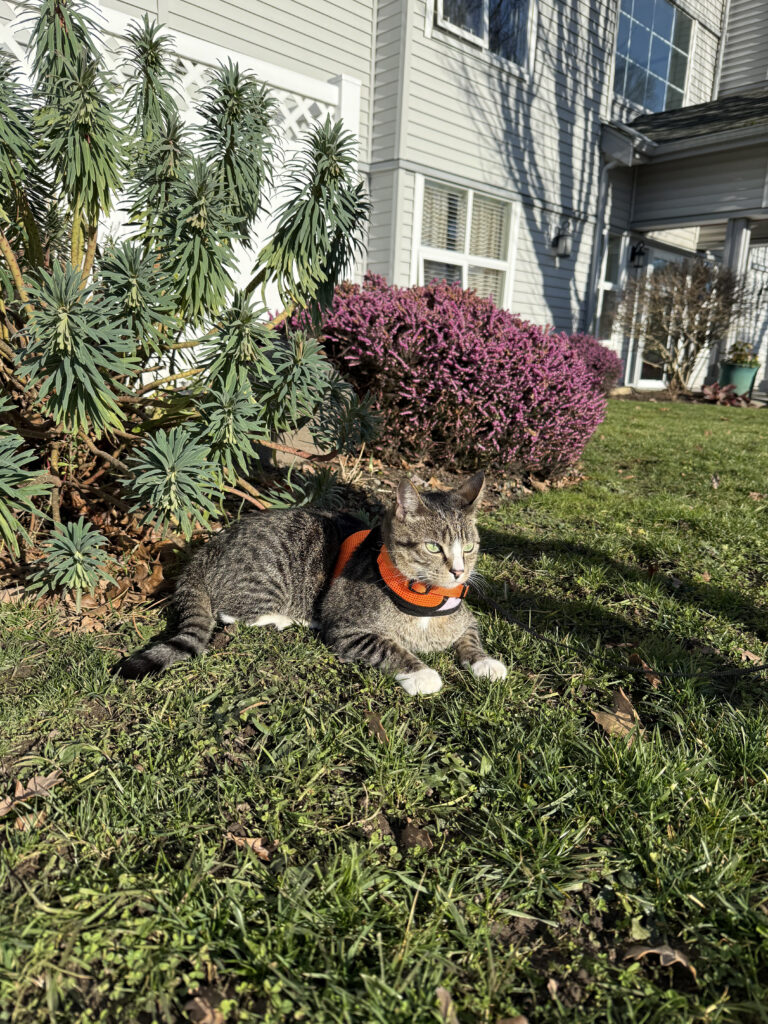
(499, 26)
(652, 50)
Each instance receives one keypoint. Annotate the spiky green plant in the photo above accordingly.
(73, 560)
(138, 362)
(173, 481)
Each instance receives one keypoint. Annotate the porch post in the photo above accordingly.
(736, 248)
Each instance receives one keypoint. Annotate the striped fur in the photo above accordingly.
(276, 566)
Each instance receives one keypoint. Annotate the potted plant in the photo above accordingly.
(739, 368)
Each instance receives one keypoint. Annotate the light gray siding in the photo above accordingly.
(321, 38)
(381, 234)
(745, 54)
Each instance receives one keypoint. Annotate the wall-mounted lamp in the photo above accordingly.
(562, 243)
(637, 254)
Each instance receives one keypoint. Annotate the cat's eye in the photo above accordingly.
(469, 547)
(433, 548)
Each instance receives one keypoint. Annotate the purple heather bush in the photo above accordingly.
(459, 382)
(604, 364)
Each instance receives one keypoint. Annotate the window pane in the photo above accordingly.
(607, 314)
(619, 77)
(660, 50)
(434, 271)
(663, 17)
(682, 33)
(655, 92)
(635, 87)
(466, 14)
(488, 231)
(626, 7)
(622, 38)
(674, 99)
(639, 44)
(612, 259)
(507, 27)
(487, 283)
(445, 218)
(678, 64)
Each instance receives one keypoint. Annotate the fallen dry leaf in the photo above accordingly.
(38, 785)
(90, 625)
(11, 595)
(445, 1005)
(513, 1020)
(263, 851)
(666, 954)
(552, 987)
(650, 675)
(375, 728)
(412, 836)
(622, 721)
(715, 481)
(438, 485)
(749, 656)
(540, 486)
(756, 495)
(25, 822)
(152, 583)
(203, 1008)
(705, 577)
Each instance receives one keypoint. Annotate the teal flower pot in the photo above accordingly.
(742, 377)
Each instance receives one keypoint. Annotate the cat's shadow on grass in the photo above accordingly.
(589, 621)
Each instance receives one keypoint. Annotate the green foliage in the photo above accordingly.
(238, 133)
(319, 227)
(141, 294)
(73, 559)
(146, 345)
(74, 348)
(149, 61)
(229, 421)
(174, 481)
(18, 483)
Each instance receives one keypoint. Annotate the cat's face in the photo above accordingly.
(432, 537)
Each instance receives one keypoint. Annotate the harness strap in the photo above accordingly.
(412, 596)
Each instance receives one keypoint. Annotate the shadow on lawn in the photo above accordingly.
(589, 620)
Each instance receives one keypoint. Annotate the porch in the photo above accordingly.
(682, 183)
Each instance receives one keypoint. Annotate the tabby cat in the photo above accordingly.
(378, 596)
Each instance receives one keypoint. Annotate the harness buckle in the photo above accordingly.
(427, 587)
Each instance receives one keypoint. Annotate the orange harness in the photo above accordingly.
(411, 596)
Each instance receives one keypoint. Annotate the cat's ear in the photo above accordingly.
(408, 500)
(471, 491)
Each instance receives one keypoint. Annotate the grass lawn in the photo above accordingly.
(492, 840)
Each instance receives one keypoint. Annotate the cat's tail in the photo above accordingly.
(195, 625)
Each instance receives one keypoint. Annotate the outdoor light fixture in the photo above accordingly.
(562, 243)
(637, 254)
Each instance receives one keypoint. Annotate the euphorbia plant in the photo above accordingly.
(135, 375)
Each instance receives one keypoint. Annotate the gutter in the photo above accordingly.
(721, 50)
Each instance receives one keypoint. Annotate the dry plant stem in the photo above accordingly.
(307, 456)
(90, 253)
(245, 497)
(13, 266)
(168, 380)
(56, 487)
(248, 487)
(104, 455)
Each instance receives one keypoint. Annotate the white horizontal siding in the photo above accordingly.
(745, 56)
(320, 39)
(381, 233)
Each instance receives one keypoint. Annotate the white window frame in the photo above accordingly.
(692, 52)
(463, 259)
(528, 46)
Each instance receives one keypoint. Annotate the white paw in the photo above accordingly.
(426, 680)
(273, 619)
(489, 668)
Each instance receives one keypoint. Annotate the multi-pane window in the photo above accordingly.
(652, 49)
(465, 239)
(608, 291)
(499, 26)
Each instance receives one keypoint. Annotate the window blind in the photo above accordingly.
(444, 221)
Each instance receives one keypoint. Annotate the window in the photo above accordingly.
(610, 283)
(465, 240)
(652, 49)
(498, 26)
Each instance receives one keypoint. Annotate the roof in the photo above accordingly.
(743, 112)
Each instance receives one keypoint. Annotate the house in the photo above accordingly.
(536, 150)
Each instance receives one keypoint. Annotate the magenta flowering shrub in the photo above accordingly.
(458, 381)
(604, 364)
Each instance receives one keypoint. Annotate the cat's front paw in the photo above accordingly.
(425, 680)
(489, 668)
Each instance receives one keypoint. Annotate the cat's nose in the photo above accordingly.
(456, 573)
